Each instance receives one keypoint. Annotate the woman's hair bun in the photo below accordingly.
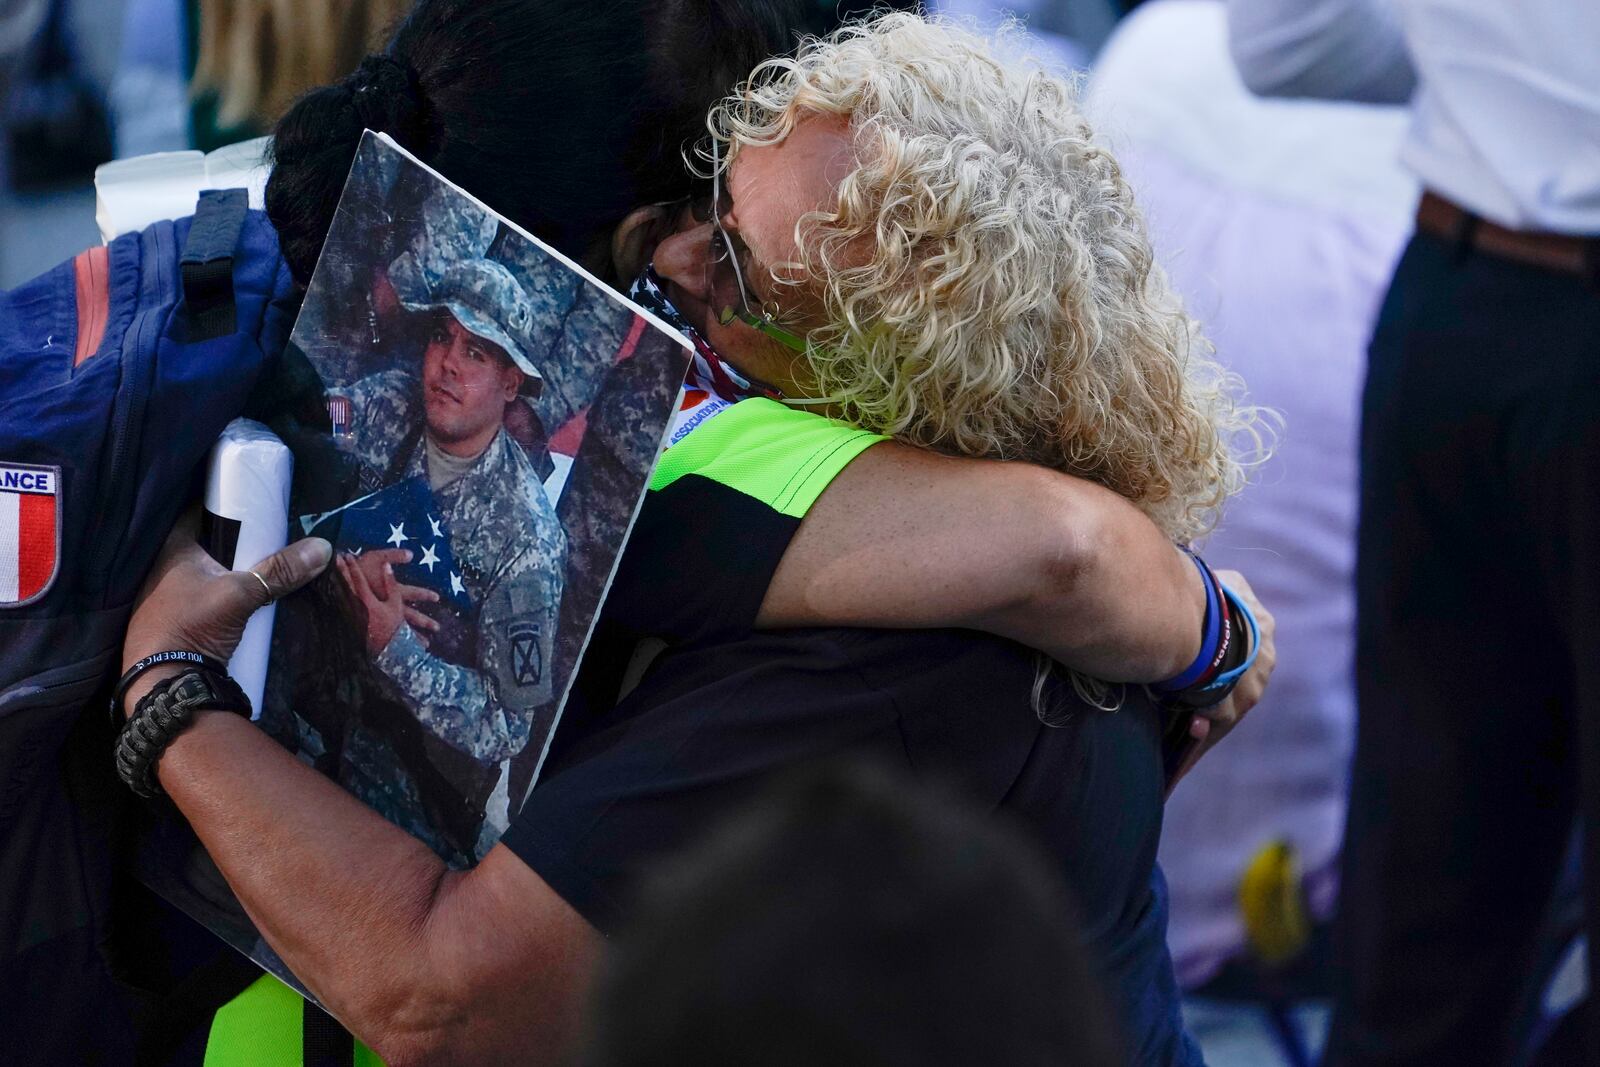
(316, 140)
(386, 97)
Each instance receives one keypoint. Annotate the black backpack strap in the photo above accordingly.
(207, 264)
(323, 1042)
(191, 1005)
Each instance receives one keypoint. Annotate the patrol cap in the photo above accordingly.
(484, 297)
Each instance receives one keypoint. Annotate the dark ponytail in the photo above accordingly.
(315, 143)
(563, 115)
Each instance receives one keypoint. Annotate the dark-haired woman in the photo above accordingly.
(489, 964)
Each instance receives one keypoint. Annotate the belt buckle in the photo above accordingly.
(1462, 234)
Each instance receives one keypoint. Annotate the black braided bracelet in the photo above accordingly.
(165, 712)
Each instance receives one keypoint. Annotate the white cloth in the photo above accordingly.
(130, 194)
(1506, 109)
(1279, 222)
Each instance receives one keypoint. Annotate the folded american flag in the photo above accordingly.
(403, 515)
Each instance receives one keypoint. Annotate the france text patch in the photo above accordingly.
(30, 534)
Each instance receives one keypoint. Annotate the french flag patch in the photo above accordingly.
(30, 531)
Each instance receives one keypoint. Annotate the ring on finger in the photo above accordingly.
(264, 586)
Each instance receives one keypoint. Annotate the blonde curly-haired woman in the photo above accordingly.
(968, 267)
(926, 240)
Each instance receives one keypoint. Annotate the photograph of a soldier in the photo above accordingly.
(458, 367)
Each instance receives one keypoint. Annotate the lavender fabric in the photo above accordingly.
(1279, 223)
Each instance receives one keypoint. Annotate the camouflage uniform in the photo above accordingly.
(610, 471)
(512, 553)
(511, 546)
(592, 327)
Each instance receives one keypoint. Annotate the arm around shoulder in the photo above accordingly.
(912, 539)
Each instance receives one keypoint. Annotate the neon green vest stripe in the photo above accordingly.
(783, 457)
(262, 1027)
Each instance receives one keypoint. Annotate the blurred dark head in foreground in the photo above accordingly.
(564, 115)
(853, 918)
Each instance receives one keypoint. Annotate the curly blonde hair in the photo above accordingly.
(1009, 306)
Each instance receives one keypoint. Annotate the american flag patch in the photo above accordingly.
(339, 415)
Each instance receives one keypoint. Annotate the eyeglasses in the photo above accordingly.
(722, 239)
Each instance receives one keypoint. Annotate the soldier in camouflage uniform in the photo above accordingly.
(508, 542)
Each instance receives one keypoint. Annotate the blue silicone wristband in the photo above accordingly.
(1208, 644)
(1229, 677)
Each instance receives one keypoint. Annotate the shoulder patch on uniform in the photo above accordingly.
(527, 657)
(30, 532)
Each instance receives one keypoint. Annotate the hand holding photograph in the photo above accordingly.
(439, 383)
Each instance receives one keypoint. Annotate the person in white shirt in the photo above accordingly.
(1279, 223)
(1478, 561)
